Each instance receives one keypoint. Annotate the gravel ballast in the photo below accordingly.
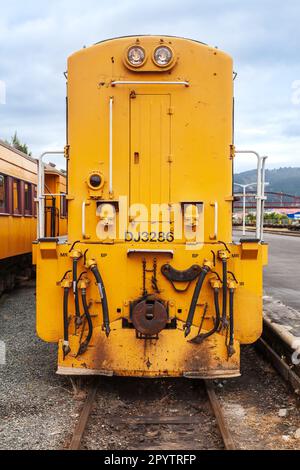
(36, 406)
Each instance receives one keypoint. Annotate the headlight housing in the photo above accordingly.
(96, 181)
(136, 56)
(163, 56)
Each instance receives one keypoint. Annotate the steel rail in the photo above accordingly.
(279, 347)
(221, 421)
(280, 365)
(81, 426)
(83, 419)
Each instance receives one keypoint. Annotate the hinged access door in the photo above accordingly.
(150, 149)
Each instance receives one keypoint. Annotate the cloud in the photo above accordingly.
(37, 37)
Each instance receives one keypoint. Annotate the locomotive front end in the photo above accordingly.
(149, 282)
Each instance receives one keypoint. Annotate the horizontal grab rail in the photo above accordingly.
(141, 82)
(54, 195)
(146, 251)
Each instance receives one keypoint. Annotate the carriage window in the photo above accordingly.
(16, 197)
(3, 207)
(27, 199)
(35, 203)
(63, 206)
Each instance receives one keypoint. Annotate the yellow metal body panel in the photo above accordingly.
(122, 277)
(150, 147)
(169, 144)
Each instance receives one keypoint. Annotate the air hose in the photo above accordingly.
(84, 346)
(187, 327)
(202, 337)
(66, 345)
(102, 292)
(231, 350)
(75, 292)
(224, 322)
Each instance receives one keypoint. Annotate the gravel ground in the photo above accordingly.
(38, 409)
(36, 406)
(261, 410)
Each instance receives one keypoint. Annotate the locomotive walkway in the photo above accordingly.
(282, 275)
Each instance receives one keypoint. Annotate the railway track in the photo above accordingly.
(158, 421)
(280, 354)
(18, 282)
(287, 233)
(184, 424)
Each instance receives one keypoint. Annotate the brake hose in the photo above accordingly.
(231, 350)
(85, 344)
(190, 319)
(66, 345)
(224, 322)
(200, 338)
(75, 292)
(103, 296)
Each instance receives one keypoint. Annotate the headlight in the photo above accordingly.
(163, 56)
(136, 56)
(95, 181)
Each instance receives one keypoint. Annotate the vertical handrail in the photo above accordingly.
(261, 161)
(258, 199)
(84, 235)
(263, 183)
(244, 209)
(111, 104)
(40, 195)
(215, 205)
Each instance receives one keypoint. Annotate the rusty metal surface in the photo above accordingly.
(149, 318)
(169, 356)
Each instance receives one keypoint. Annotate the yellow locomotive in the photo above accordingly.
(149, 282)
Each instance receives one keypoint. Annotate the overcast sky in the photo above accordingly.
(263, 36)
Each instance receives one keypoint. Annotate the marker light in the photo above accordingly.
(163, 56)
(136, 56)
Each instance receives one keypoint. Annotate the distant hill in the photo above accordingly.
(285, 180)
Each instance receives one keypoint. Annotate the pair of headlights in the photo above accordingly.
(162, 56)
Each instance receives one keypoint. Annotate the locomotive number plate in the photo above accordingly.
(152, 237)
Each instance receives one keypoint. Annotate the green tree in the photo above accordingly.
(17, 144)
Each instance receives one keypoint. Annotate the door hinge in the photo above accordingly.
(232, 152)
(67, 152)
(171, 111)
